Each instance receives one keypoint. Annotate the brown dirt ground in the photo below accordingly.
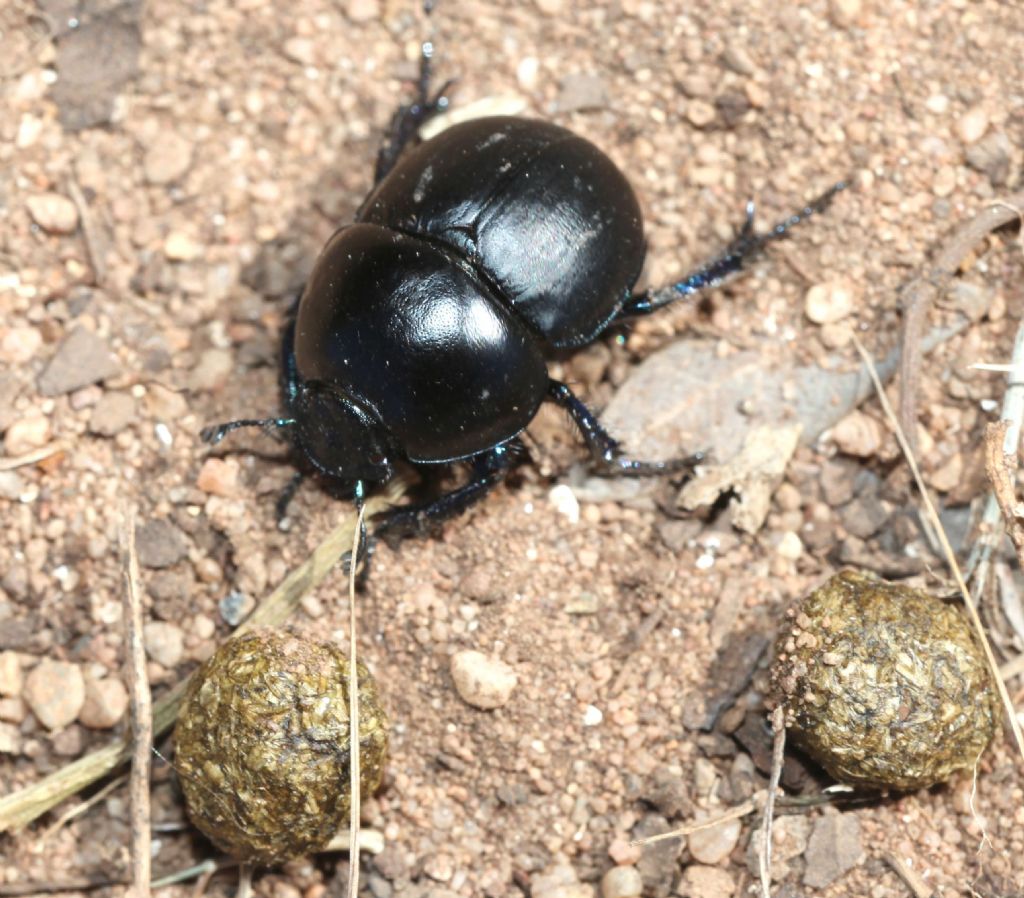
(270, 115)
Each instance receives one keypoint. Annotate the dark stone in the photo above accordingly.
(95, 60)
(160, 544)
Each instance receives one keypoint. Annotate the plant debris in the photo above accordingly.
(262, 745)
(884, 685)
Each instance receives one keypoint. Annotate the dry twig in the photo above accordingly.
(908, 874)
(31, 458)
(919, 294)
(947, 549)
(353, 715)
(141, 716)
(764, 860)
(1013, 414)
(22, 807)
(93, 245)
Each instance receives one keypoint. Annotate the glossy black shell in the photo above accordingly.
(403, 328)
(542, 214)
(484, 248)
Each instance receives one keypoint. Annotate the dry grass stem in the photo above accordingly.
(919, 294)
(908, 874)
(741, 810)
(353, 713)
(245, 870)
(1013, 413)
(141, 716)
(83, 806)
(22, 807)
(93, 245)
(947, 549)
(31, 458)
(764, 860)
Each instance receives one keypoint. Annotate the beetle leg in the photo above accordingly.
(410, 117)
(729, 261)
(286, 495)
(603, 447)
(489, 469)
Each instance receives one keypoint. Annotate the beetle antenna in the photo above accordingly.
(732, 258)
(216, 432)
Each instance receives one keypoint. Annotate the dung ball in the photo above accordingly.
(262, 745)
(884, 685)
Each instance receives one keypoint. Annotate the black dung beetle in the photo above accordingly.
(422, 333)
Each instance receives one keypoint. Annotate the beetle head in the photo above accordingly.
(340, 436)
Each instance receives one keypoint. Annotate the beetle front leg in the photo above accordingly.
(728, 262)
(603, 447)
(489, 469)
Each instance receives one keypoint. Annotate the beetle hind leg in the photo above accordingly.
(410, 117)
(604, 449)
(746, 244)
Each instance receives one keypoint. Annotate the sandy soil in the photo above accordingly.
(232, 145)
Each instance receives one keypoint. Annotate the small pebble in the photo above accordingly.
(790, 546)
(972, 125)
(235, 607)
(550, 7)
(54, 213)
(54, 692)
(706, 882)
(301, 50)
(27, 434)
(11, 678)
(833, 849)
(112, 414)
(527, 73)
(844, 13)
(559, 880)
(362, 10)
(181, 247)
(565, 502)
(82, 358)
(203, 626)
(13, 709)
(944, 182)
(167, 159)
(714, 845)
(12, 485)
(829, 302)
(219, 477)
(699, 113)
(19, 345)
(160, 544)
(481, 680)
(68, 742)
(622, 882)
(623, 851)
(165, 643)
(581, 90)
(105, 703)
(10, 739)
(211, 371)
(858, 434)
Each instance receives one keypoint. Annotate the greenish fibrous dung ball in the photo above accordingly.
(884, 685)
(262, 745)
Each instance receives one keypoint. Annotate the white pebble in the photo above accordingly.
(622, 882)
(53, 213)
(481, 680)
(829, 302)
(565, 502)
